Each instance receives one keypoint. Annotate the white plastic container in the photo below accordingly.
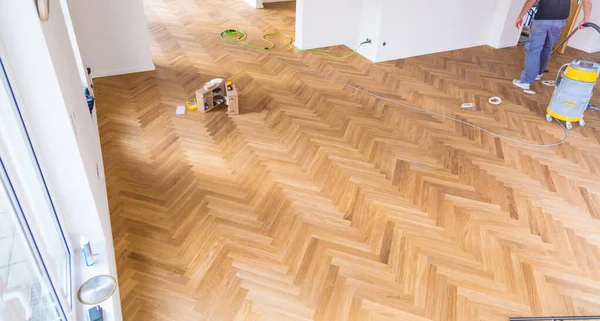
(86, 249)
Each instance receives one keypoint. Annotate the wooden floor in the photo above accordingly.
(320, 203)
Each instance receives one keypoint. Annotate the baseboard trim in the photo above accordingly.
(301, 47)
(378, 57)
(584, 49)
(115, 72)
(503, 45)
(317, 46)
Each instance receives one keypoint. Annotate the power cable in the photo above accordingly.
(261, 52)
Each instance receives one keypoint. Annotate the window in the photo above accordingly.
(26, 290)
(35, 257)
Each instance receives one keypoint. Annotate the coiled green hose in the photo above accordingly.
(239, 36)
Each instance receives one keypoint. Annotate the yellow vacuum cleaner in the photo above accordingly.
(573, 92)
(574, 88)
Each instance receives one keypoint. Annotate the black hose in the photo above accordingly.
(592, 25)
(586, 25)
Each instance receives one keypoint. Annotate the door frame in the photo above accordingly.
(576, 8)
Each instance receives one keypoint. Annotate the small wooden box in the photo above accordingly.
(232, 101)
(211, 96)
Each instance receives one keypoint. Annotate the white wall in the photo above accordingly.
(588, 39)
(255, 3)
(413, 28)
(113, 35)
(369, 26)
(48, 88)
(409, 28)
(324, 23)
(502, 32)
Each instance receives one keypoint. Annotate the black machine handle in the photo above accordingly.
(586, 25)
(592, 25)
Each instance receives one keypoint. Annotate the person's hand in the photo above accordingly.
(519, 23)
(584, 21)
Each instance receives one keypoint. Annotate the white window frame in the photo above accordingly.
(19, 150)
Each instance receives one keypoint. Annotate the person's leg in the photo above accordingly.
(554, 33)
(533, 50)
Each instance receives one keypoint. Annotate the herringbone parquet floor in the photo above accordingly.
(320, 203)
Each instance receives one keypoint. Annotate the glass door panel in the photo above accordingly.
(25, 289)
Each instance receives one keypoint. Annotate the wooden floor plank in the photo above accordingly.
(321, 203)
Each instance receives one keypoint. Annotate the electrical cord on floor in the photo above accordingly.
(260, 52)
(239, 36)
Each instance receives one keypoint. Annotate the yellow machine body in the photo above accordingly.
(573, 92)
(581, 74)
